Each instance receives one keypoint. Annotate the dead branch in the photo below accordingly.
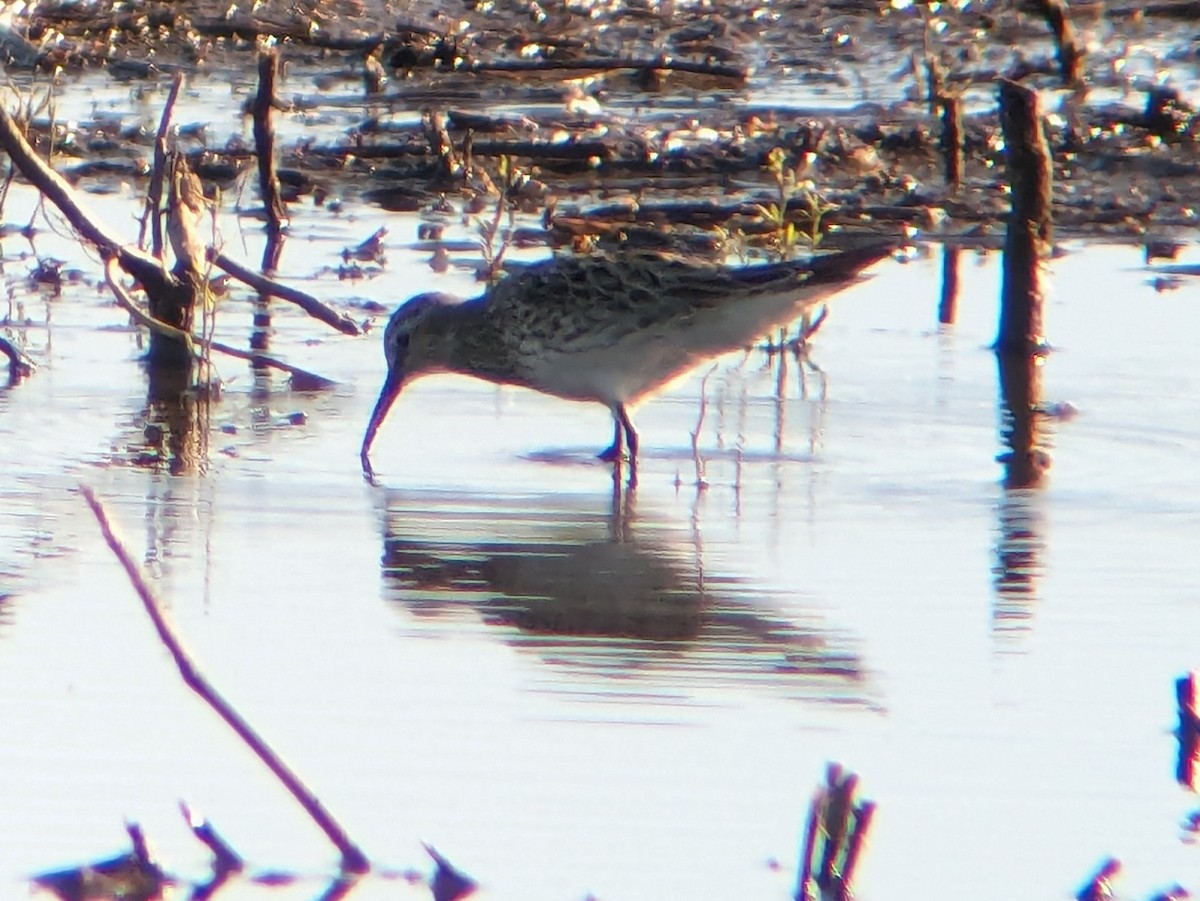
(53, 186)
(19, 365)
(353, 859)
(141, 265)
(302, 378)
(155, 192)
(127, 303)
(266, 286)
(225, 859)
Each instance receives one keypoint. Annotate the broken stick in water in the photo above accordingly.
(353, 859)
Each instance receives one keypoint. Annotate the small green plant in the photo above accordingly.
(793, 192)
(497, 240)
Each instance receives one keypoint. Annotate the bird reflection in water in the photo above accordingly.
(589, 586)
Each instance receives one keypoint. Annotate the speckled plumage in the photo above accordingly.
(610, 329)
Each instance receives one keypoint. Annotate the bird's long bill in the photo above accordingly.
(387, 396)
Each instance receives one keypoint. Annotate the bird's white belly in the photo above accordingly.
(621, 373)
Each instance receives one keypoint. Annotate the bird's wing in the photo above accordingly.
(578, 304)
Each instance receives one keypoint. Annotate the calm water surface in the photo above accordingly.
(571, 690)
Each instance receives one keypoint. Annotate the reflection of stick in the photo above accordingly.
(353, 859)
(701, 481)
(948, 305)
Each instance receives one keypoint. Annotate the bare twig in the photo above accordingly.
(353, 859)
(225, 859)
(302, 379)
(448, 883)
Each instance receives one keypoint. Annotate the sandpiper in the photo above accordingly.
(611, 329)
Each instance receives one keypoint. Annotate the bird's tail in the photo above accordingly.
(820, 269)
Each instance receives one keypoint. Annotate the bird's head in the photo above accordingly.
(405, 352)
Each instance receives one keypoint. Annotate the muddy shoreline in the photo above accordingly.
(654, 122)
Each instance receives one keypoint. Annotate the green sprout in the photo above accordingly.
(793, 192)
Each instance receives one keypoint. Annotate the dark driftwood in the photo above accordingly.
(353, 859)
(1030, 227)
(840, 822)
(602, 64)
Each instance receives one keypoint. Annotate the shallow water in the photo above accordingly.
(571, 690)
(568, 689)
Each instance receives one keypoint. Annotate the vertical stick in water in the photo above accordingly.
(1030, 225)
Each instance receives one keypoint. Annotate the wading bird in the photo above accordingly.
(611, 329)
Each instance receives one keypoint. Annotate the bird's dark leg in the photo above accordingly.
(624, 435)
(631, 436)
(613, 452)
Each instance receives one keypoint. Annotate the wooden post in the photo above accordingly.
(1030, 226)
(1070, 56)
(952, 139)
(264, 141)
